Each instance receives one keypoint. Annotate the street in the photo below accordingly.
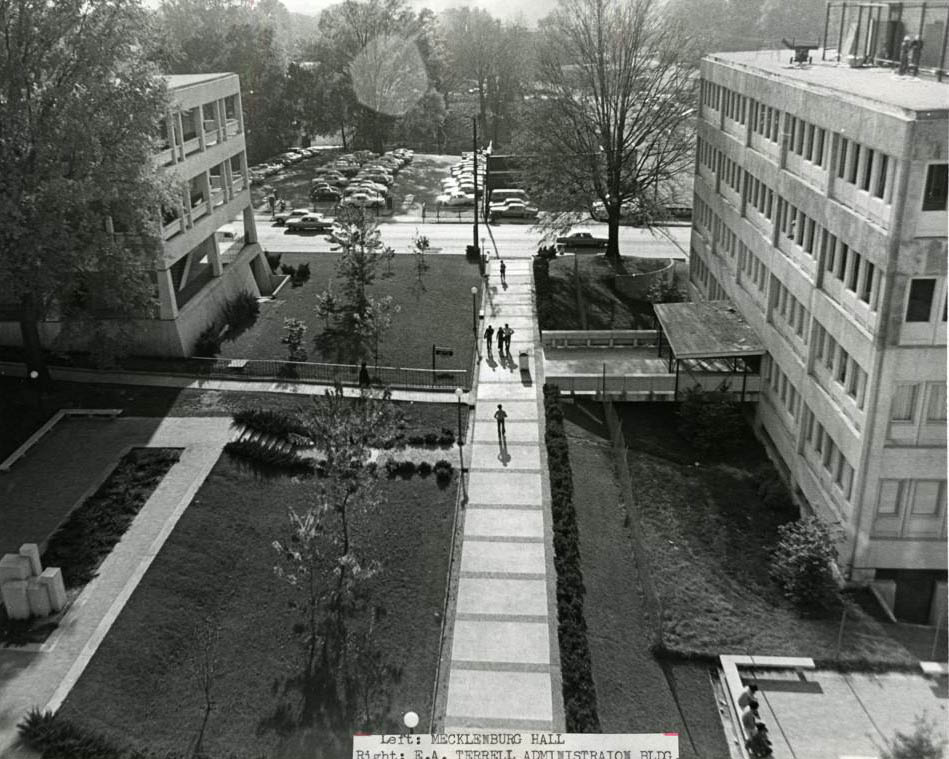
(511, 239)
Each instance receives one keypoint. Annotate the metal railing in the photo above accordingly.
(591, 338)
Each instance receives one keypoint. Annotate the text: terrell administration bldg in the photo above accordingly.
(820, 212)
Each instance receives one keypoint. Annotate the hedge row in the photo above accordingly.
(579, 691)
(271, 457)
(271, 422)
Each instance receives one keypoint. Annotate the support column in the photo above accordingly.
(227, 179)
(198, 116)
(239, 108)
(214, 257)
(179, 124)
(206, 190)
(250, 226)
(168, 305)
(219, 117)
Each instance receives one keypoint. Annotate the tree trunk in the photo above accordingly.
(32, 346)
(342, 134)
(612, 225)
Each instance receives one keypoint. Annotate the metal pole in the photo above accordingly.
(840, 633)
(675, 390)
(840, 31)
(474, 155)
(823, 50)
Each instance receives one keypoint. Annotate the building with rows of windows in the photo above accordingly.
(820, 213)
(206, 261)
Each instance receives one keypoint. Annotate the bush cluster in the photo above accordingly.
(442, 469)
(546, 313)
(273, 259)
(242, 311)
(276, 423)
(298, 274)
(802, 564)
(208, 344)
(579, 691)
(444, 438)
(261, 454)
(711, 422)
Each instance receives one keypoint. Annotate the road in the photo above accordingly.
(511, 239)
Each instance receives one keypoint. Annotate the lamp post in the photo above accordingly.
(474, 318)
(461, 444)
(474, 158)
(411, 721)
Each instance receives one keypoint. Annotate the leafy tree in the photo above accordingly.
(296, 332)
(614, 124)
(79, 201)
(371, 326)
(925, 742)
(802, 563)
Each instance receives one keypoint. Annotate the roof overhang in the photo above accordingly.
(707, 329)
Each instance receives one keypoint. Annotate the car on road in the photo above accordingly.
(582, 240)
(311, 222)
(284, 216)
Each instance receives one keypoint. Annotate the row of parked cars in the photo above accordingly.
(360, 179)
(458, 188)
(510, 203)
(278, 163)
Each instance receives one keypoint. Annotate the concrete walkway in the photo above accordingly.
(43, 678)
(504, 669)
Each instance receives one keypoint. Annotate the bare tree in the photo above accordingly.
(206, 671)
(611, 121)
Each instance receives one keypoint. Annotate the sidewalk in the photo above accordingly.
(43, 679)
(504, 669)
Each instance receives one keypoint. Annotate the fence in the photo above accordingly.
(634, 520)
(605, 338)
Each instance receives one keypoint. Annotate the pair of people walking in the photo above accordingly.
(504, 338)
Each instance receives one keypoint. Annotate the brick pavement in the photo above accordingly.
(504, 668)
(43, 679)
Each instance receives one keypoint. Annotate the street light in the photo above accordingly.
(461, 444)
(411, 721)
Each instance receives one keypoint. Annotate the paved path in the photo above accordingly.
(43, 678)
(504, 669)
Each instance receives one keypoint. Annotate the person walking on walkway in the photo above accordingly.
(503, 273)
(749, 717)
(747, 695)
(501, 415)
(364, 376)
(507, 338)
(488, 334)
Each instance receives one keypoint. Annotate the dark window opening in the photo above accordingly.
(920, 300)
(934, 194)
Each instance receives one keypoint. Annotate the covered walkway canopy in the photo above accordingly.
(710, 341)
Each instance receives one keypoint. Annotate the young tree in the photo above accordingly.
(802, 563)
(206, 670)
(371, 327)
(619, 82)
(924, 742)
(296, 333)
(79, 200)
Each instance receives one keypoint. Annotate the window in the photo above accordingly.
(880, 188)
(855, 272)
(842, 162)
(854, 163)
(920, 301)
(868, 272)
(927, 497)
(842, 261)
(867, 170)
(904, 403)
(890, 497)
(842, 361)
(934, 193)
(936, 408)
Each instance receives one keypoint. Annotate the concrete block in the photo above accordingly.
(32, 552)
(15, 600)
(38, 597)
(886, 591)
(13, 566)
(52, 578)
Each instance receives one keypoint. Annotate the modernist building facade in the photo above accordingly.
(201, 267)
(820, 213)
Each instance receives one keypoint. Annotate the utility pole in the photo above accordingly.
(474, 154)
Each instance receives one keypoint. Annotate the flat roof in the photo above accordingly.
(707, 329)
(875, 84)
(179, 81)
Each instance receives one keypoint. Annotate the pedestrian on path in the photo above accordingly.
(503, 273)
(488, 334)
(749, 717)
(364, 376)
(501, 415)
(423, 211)
(507, 338)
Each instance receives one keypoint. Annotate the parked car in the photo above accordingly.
(284, 216)
(371, 187)
(456, 198)
(501, 194)
(582, 240)
(315, 222)
(512, 209)
(364, 200)
(325, 192)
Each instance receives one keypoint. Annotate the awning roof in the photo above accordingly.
(707, 329)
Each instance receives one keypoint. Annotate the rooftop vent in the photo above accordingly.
(802, 51)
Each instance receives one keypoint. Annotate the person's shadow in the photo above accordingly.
(489, 359)
(503, 456)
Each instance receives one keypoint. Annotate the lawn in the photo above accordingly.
(21, 414)
(217, 566)
(440, 314)
(709, 533)
(600, 305)
(636, 693)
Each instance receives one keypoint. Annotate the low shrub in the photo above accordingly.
(925, 742)
(208, 344)
(711, 422)
(406, 468)
(289, 270)
(301, 275)
(273, 259)
(802, 564)
(443, 470)
(270, 457)
(57, 738)
(579, 690)
(242, 311)
(424, 469)
(274, 423)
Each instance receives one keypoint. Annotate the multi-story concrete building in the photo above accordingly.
(202, 268)
(820, 213)
(205, 260)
